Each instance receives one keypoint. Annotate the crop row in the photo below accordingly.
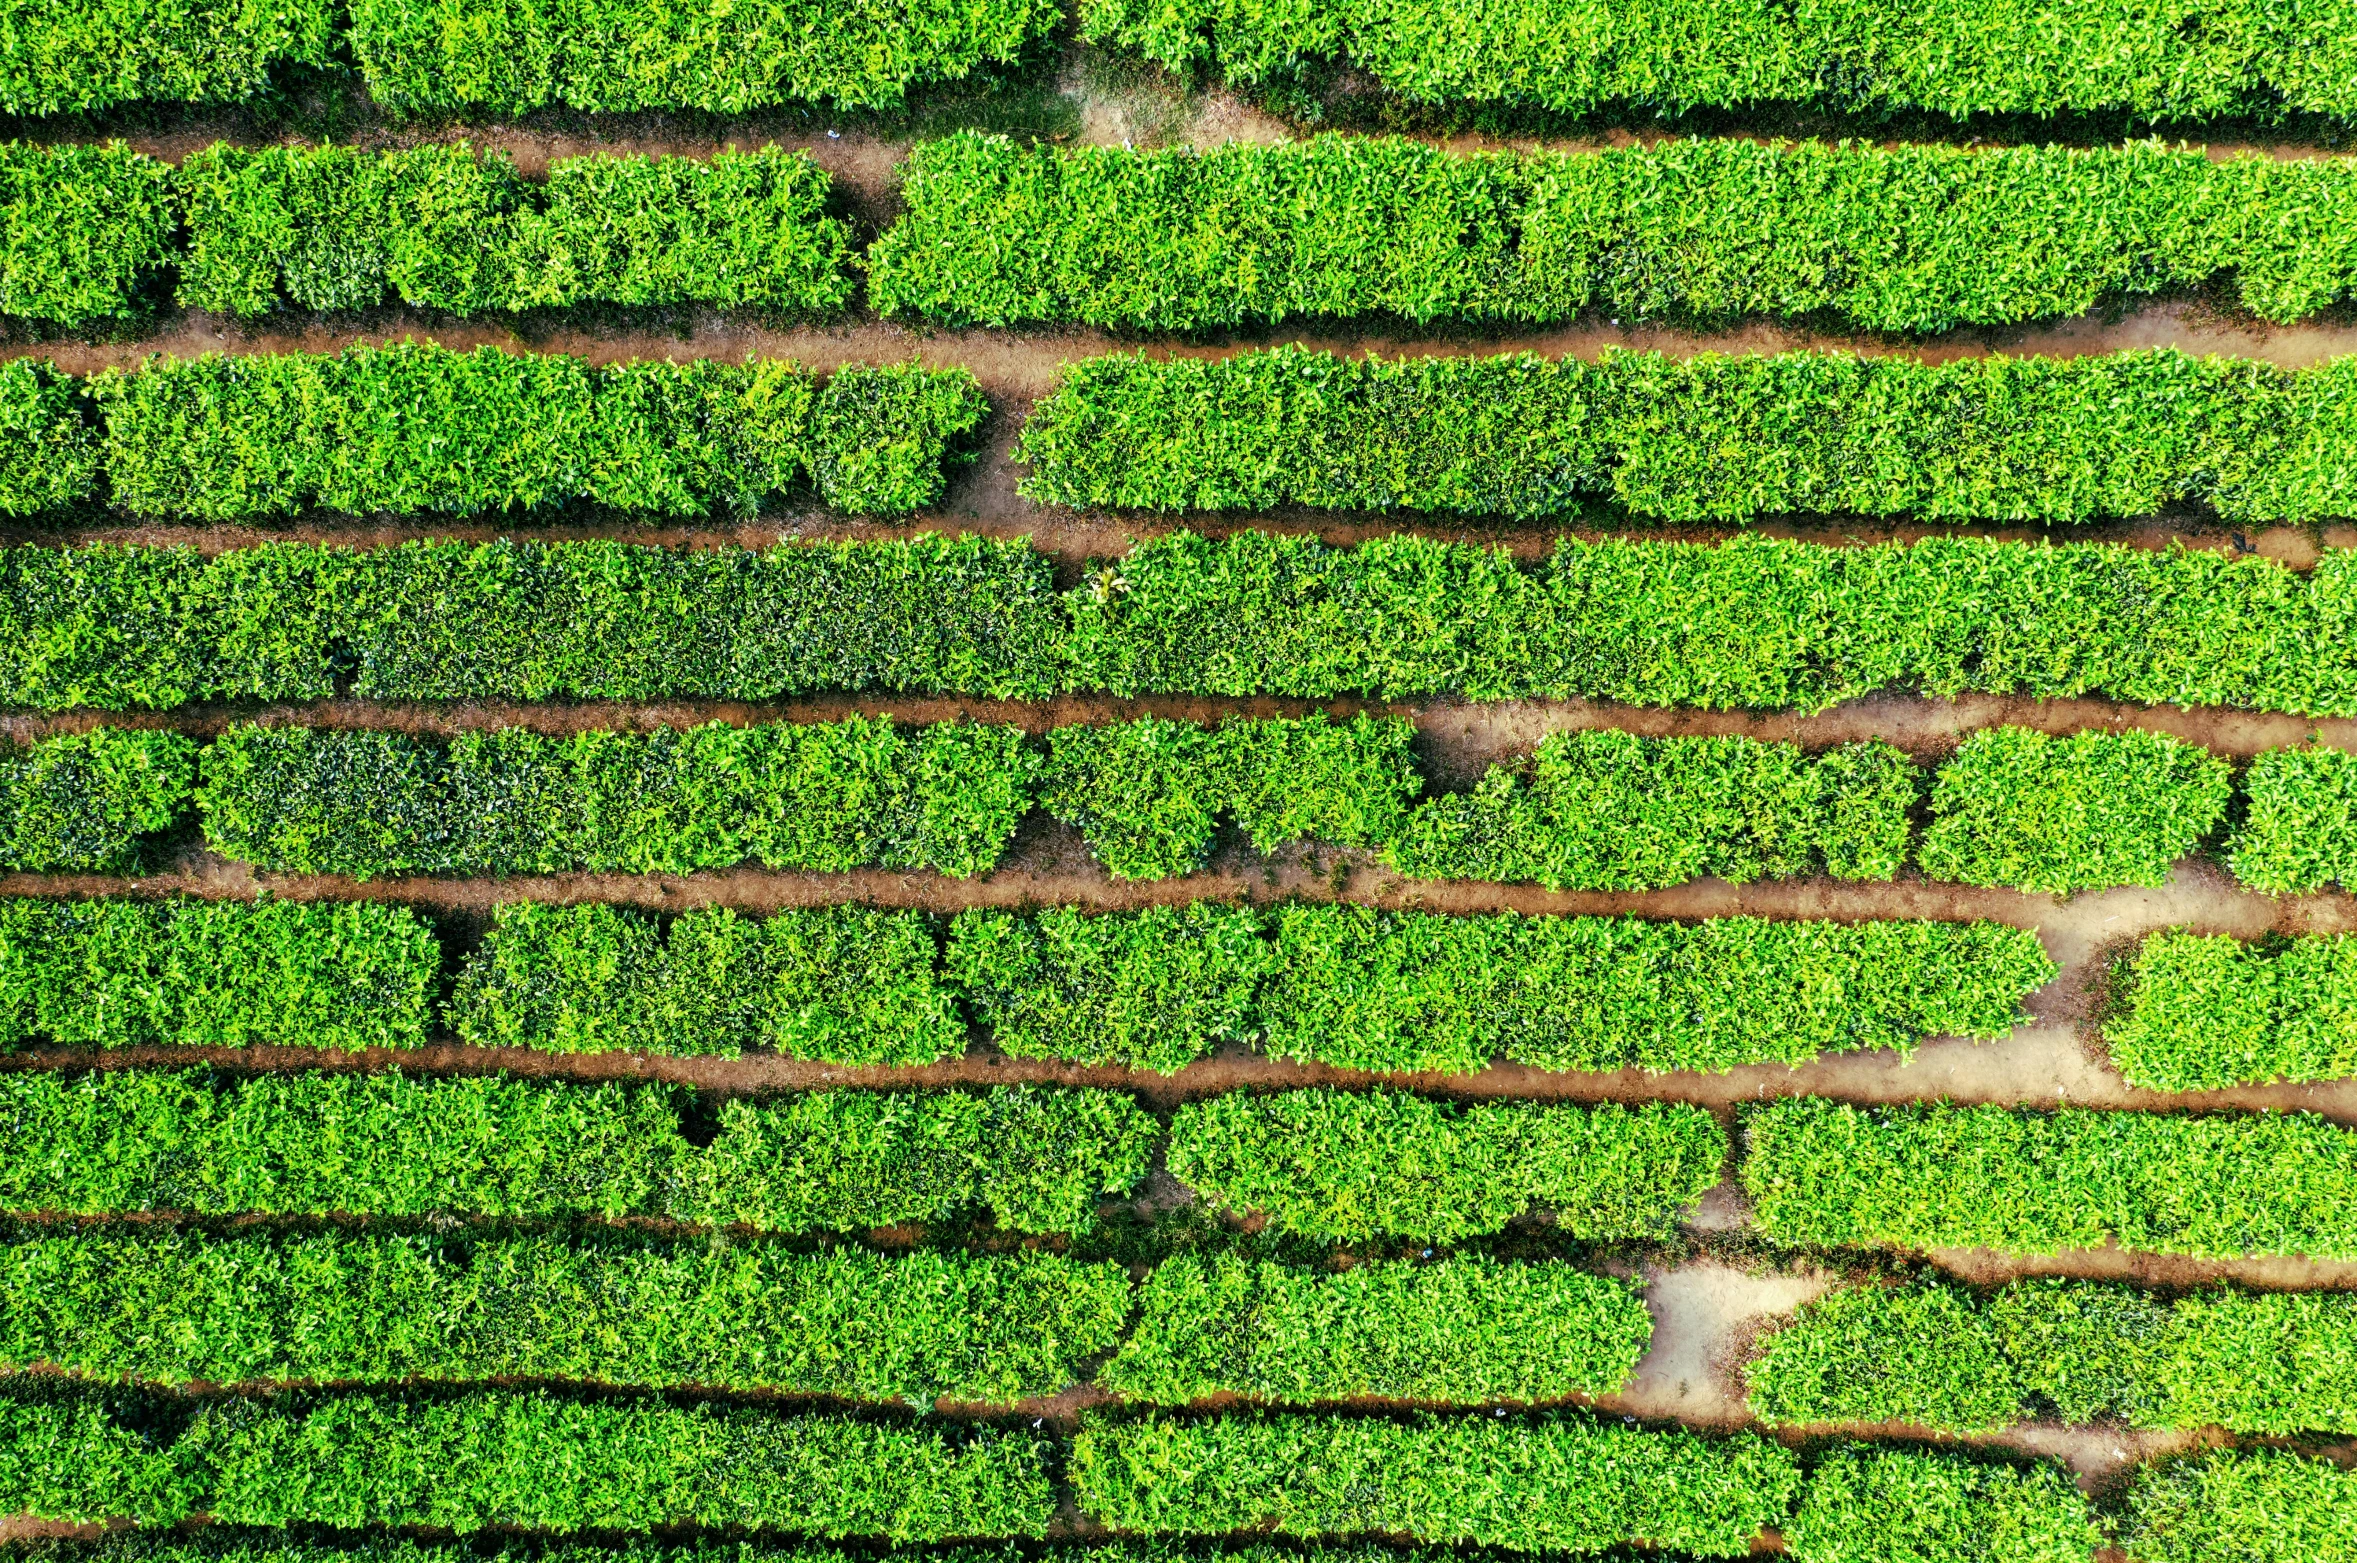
(1159, 988)
(1933, 1355)
(512, 56)
(1753, 622)
(2195, 1013)
(1322, 1165)
(852, 1324)
(1596, 810)
(2173, 61)
(414, 427)
(1913, 238)
(1561, 1483)
(1910, 238)
(1710, 438)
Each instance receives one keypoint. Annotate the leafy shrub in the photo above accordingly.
(390, 1145)
(1708, 439)
(83, 55)
(169, 1308)
(1866, 1505)
(1933, 1356)
(120, 973)
(89, 803)
(2299, 832)
(84, 228)
(502, 1459)
(1344, 1167)
(2041, 813)
(2178, 61)
(825, 797)
(49, 457)
(1564, 1483)
(415, 427)
(1932, 1176)
(439, 227)
(1468, 1330)
(1148, 794)
(1906, 238)
(508, 57)
(2201, 1014)
(1608, 810)
(844, 984)
(2240, 1506)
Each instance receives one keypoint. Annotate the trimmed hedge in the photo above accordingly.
(2042, 813)
(1468, 1330)
(413, 427)
(1710, 439)
(1933, 1176)
(2240, 1506)
(1751, 623)
(843, 984)
(499, 1459)
(509, 57)
(1905, 238)
(1343, 1167)
(2299, 831)
(1608, 810)
(825, 797)
(2196, 1013)
(1933, 1355)
(92, 802)
(2170, 62)
(1358, 988)
(440, 227)
(393, 1145)
(120, 973)
(77, 56)
(1564, 1483)
(166, 1308)
(1871, 1505)
(82, 230)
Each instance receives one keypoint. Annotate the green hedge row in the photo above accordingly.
(2301, 834)
(413, 427)
(1869, 1505)
(2200, 1013)
(94, 802)
(1937, 1176)
(1753, 622)
(86, 228)
(251, 1310)
(1710, 439)
(75, 56)
(1934, 1355)
(1908, 238)
(1562, 1483)
(502, 1459)
(2241, 1506)
(1344, 1167)
(333, 1308)
(1470, 1331)
(2173, 61)
(392, 1145)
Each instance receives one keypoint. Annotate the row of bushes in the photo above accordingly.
(508, 57)
(1933, 1176)
(1594, 810)
(1915, 238)
(1707, 439)
(1908, 238)
(1753, 622)
(2194, 1012)
(853, 1324)
(2175, 61)
(414, 427)
(1935, 1356)
(1324, 1165)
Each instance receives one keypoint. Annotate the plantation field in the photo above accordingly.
(1344, 781)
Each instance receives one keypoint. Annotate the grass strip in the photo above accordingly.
(1936, 1175)
(1711, 439)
